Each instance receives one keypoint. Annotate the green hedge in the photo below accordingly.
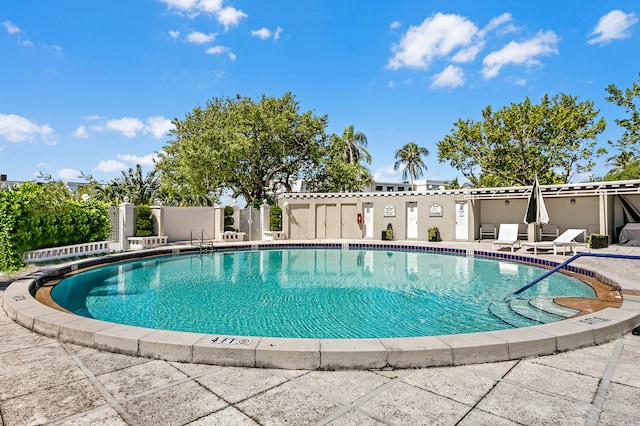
(34, 216)
(275, 221)
(144, 221)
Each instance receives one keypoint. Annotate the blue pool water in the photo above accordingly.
(320, 293)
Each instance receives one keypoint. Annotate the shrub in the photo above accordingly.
(275, 221)
(144, 221)
(228, 219)
(34, 216)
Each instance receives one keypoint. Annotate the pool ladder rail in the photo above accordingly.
(203, 243)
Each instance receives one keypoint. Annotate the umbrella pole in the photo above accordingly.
(532, 232)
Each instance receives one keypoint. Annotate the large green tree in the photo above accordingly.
(410, 156)
(628, 146)
(554, 140)
(250, 147)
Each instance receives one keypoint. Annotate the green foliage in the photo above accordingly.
(144, 221)
(434, 234)
(342, 169)
(411, 156)
(36, 216)
(250, 147)
(629, 172)
(275, 219)
(553, 140)
(228, 219)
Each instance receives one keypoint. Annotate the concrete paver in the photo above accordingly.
(45, 381)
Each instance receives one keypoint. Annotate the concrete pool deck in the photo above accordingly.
(44, 380)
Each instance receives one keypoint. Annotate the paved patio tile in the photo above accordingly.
(623, 399)
(102, 416)
(345, 386)
(225, 417)
(26, 357)
(617, 419)
(554, 380)
(529, 407)
(235, 384)
(174, 405)
(38, 376)
(104, 362)
(493, 370)
(462, 386)
(481, 418)
(14, 336)
(288, 404)
(587, 361)
(406, 404)
(49, 404)
(354, 417)
(128, 382)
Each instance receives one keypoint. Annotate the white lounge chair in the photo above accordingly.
(488, 230)
(564, 240)
(507, 236)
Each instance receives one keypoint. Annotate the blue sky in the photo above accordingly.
(93, 86)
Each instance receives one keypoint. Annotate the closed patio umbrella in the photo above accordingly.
(536, 210)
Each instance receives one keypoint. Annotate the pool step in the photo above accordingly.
(527, 312)
(548, 305)
(524, 308)
(504, 313)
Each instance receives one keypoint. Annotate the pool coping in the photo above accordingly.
(316, 354)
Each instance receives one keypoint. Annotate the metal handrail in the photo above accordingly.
(571, 259)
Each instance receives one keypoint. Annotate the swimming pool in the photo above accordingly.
(318, 293)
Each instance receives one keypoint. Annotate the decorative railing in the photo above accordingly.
(273, 235)
(63, 252)
(139, 243)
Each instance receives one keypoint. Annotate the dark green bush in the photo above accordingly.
(275, 221)
(144, 221)
(228, 219)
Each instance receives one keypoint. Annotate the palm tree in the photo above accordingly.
(620, 162)
(411, 156)
(354, 144)
(140, 189)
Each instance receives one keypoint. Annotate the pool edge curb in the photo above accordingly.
(312, 354)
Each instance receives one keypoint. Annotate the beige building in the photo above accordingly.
(458, 214)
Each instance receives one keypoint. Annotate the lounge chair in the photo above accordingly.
(488, 230)
(549, 230)
(523, 231)
(564, 240)
(507, 236)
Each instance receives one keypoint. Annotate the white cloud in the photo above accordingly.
(200, 38)
(68, 173)
(146, 160)
(265, 33)
(174, 34)
(11, 28)
(227, 16)
(395, 25)
(94, 117)
(81, 132)
(15, 128)
(452, 76)
(613, 26)
(230, 16)
(158, 126)
(218, 50)
(437, 36)
(497, 22)
(525, 53)
(468, 54)
(128, 126)
(387, 174)
(110, 166)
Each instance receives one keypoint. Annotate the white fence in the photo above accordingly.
(63, 252)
